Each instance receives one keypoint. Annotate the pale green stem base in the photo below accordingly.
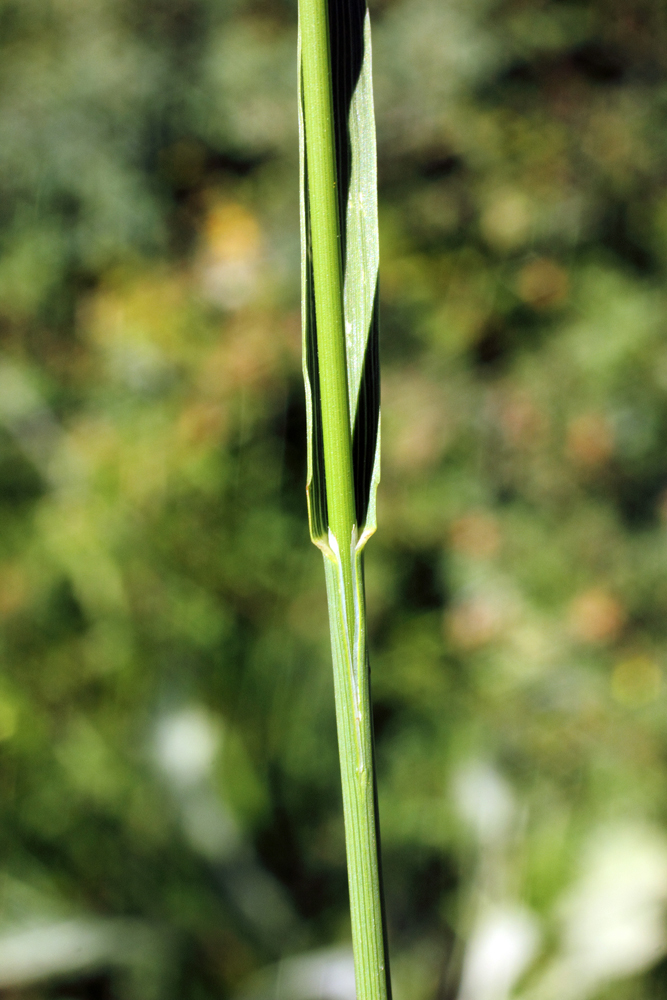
(355, 743)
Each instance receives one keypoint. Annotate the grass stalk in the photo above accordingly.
(342, 387)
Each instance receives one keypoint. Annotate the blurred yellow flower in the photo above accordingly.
(232, 249)
(231, 231)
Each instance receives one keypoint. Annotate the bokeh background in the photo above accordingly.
(170, 821)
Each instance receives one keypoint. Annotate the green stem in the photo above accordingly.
(355, 745)
(343, 566)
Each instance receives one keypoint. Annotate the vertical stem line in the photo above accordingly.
(343, 567)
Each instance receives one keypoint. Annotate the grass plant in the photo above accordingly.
(341, 371)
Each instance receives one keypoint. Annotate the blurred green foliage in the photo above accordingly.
(167, 744)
